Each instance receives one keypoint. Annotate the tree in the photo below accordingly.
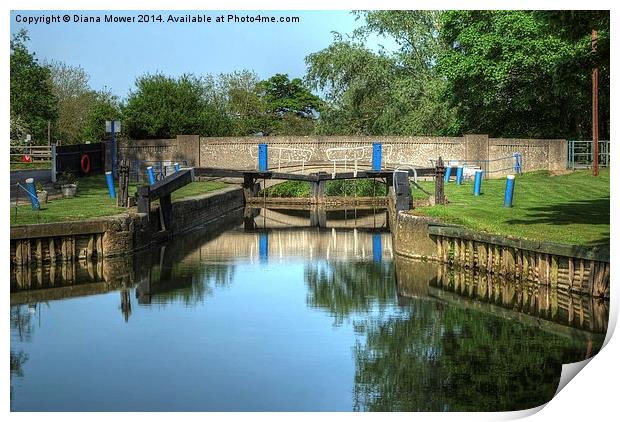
(33, 103)
(75, 99)
(380, 93)
(245, 108)
(163, 107)
(291, 105)
(104, 106)
(519, 73)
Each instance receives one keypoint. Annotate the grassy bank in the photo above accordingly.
(92, 200)
(571, 208)
(31, 166)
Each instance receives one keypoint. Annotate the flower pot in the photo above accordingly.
(68, 191)
(42, 196)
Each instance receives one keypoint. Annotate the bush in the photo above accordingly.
(364, 187)
(299, 189)
(289, 189)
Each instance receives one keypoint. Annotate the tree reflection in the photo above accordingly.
(22, 328)
(343, 288)
(185, 283)
(443, 358)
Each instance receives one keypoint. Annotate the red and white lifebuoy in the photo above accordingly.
(85, 163)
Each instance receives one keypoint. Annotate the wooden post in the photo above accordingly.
(440, 170)
(122, 199)
(248, 187)
(144, 201)
(165, 212)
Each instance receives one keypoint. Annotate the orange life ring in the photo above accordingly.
(85, 163)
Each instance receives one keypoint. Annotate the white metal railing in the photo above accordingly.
(355, 155)
(284, 155)
(470, 166)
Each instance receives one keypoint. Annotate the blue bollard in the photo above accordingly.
(517, 156)
(177, 167)
(377, 247)
(110, 180)
(34, 201)
(263, 247)
(477, 182)
(446, 178)
(151, 174)
(262, 158)
(508, 194)
(459, 175)
(376, 156)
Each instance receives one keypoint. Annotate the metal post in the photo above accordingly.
(595, 108)
(53, 163)
(477, 182)
(110, 180)
(459, 175)
(113, 149)
(262, 158)
(151, 174)
(376, 156)
(34, 201)
(448, 173)
(509, 192)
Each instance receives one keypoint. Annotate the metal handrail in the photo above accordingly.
(359, 154)
(306, 154)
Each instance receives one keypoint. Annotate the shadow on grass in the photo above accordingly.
(590, 212)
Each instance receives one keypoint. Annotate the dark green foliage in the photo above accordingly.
(362, 187)
(298, 189)
(284, 96)
(442, 358)
(289, 189)
(291, 107)
(163, 107)
(381, 93)
(523, 74)
(346, 288)
(105, 106)
(33, 103)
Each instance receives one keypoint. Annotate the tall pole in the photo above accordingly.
(113, 149)
(594, 109)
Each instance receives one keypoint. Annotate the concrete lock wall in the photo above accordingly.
(240, 152)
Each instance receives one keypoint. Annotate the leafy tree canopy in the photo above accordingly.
(75, 99)
(519, 73)
(33, 103)
(163, 106)
(383, 93)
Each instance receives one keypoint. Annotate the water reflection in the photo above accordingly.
(236, 316)
(344, 288)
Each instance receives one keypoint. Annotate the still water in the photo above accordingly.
(272, 314)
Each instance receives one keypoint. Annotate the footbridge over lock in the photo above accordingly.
(297, 164)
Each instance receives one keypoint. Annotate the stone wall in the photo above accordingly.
(240, 152)
(115, 235)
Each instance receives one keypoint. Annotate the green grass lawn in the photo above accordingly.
(92, 200)
(572, 208)
(31, 166)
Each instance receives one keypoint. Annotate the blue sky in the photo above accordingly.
(114, 54)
